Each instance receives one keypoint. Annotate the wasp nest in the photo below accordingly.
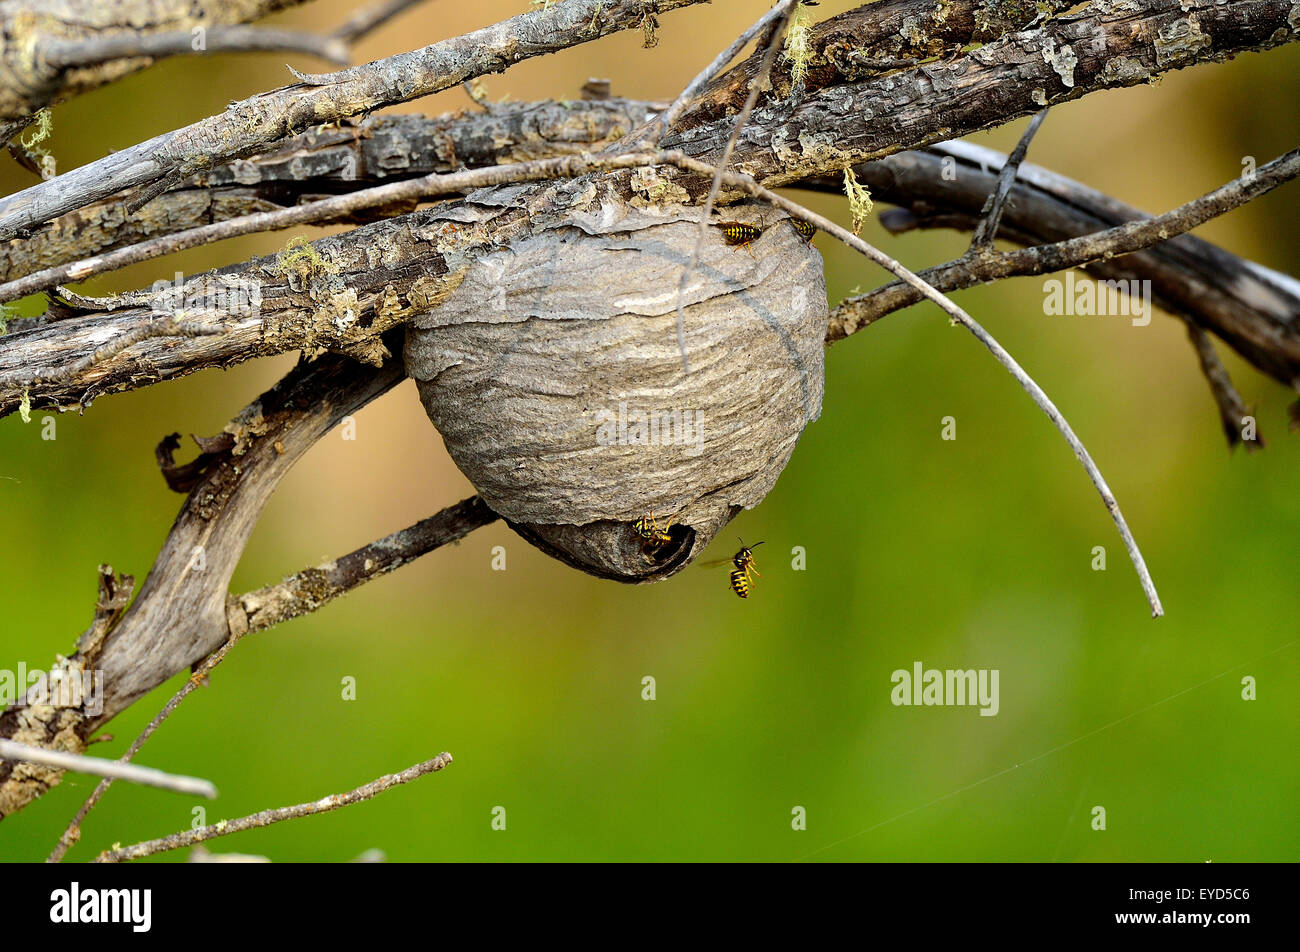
(554, 376)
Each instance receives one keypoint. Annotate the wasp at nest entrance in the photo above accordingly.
(647, 527)
(659, 544)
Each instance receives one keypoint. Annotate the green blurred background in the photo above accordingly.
(973, 553)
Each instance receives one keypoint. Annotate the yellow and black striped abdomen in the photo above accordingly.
(740, 583)
(806, 229)
(739, 233)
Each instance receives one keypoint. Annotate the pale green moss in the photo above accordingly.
(860, 203)
(33, 138)
(798, 44)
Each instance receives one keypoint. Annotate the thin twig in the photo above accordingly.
(268, 817)
(99, 767)
(1035, 392)
(664, 122)
(1231, 407)
(82, 53)
(312, 588)
(992, 211)
(73, 832)
(370, 18)
(756, 87)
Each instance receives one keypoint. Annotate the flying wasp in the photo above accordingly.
(743, 561)
(740, 233)
(650, 531)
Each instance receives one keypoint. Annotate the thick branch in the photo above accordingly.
(31, 79)
(869, 40)
(255, 124)
(1104, 46)
(328, 161)
(185, 593)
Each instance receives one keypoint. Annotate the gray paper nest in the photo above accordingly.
(554, 376)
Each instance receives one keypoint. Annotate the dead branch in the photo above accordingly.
(1232, 409)
(73, 832)
(268, 817)
(302, 592)
(844, 118)
(32, 79)
(1255, 310)
(1133, 235)
(82, 53)
(868, 40)
(370, 18)
(98, 767)
(693, 89)
(991, 213)
(186, 591)
(255, 124)
(340, 207)
(310, 589)
(327, 161)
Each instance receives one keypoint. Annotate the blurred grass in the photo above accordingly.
(967, 553)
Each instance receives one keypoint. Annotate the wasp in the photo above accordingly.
(805, 228)
(649, 530)
(740, 233)
(743, 561)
